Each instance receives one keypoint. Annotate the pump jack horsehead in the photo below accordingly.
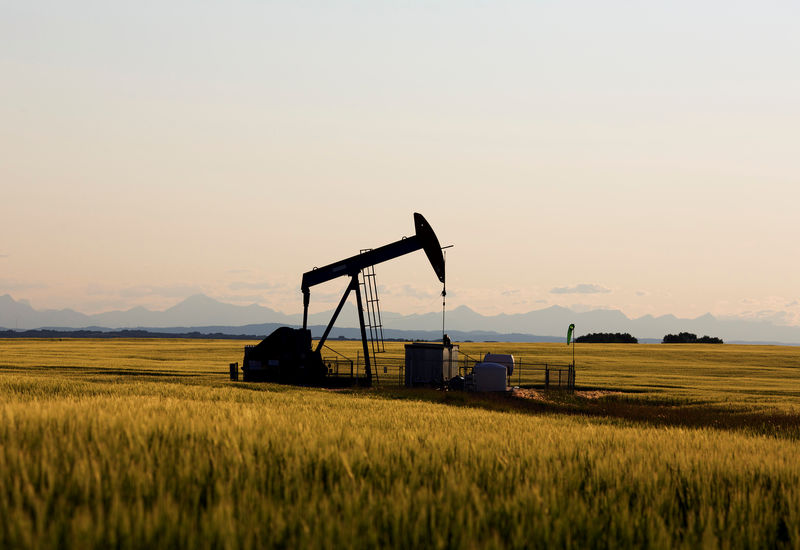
(286, 355)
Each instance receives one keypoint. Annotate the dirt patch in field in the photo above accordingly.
(537, 395)
(596, 394)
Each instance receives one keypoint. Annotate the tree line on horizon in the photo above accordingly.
(689, 338)
(626, 338)
(607, 338)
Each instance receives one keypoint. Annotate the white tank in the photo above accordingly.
(490, 377)
(502, 359)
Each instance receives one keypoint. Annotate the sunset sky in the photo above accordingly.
(637, 156)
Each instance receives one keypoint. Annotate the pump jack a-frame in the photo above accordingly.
(286, 355)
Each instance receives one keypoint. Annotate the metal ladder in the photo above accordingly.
(372, 306)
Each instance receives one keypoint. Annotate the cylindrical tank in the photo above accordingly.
(501, 358)
(490, 377)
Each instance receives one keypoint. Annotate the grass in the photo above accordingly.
(750, 377)
(137, 443)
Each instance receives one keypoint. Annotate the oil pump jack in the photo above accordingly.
(286, 355)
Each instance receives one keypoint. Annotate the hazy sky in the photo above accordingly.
(641, 156)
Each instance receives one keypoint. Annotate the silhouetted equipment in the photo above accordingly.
(286, 354)
(501, 359)
(490, 377)
(457, 383)
(429, 364)
(372, 308)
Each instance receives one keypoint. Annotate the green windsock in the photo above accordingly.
(570, 330)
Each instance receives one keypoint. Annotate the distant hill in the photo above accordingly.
(256, 332)
(203, 313)
(194, 310)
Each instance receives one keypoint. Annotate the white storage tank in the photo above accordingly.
(490, 377)
(501, 359)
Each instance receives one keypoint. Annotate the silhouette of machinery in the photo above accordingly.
(286, 355)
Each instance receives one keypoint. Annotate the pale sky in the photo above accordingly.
(631, 155)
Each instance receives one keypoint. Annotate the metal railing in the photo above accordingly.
(527, 372)
(339, 365)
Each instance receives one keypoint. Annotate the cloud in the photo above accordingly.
(140, 291)
(583, 288)
(242, 285)
(95, 289)
(169, 291)
(793, 303)
(510, 292)
(408, 291)
(3, 255)
(771, 316)
(327, 296)
(585, 308)
(248, 298)
(16, 285)
(642, 293)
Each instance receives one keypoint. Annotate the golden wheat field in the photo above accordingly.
(147, 443)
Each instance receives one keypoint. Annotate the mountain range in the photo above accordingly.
(200, 312)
